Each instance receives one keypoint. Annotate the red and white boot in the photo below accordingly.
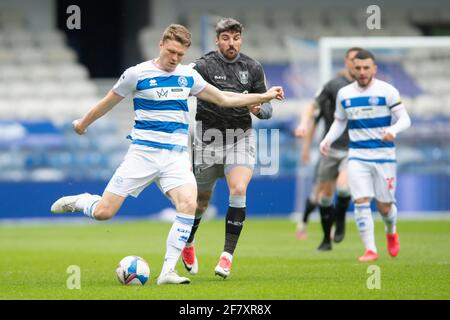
(393, 244)
(223, 268)
(368, 256)
(189, 259)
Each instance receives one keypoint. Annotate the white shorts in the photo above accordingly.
(372, 179)
(144, 165)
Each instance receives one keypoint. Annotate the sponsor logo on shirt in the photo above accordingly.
(118, 180)
(152, 82)
(353, 113)
(162, 93)
(220, 78)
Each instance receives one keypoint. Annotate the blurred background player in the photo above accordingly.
(372, 111)
(158, 152)
(332, 170)
(230, 70)
(312, 200)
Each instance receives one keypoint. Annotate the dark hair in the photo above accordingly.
(357, 49)
(178, 33)
(365, 54)
(228, 25)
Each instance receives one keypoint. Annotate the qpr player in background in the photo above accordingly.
(224, 139)
(332, 169)
(372, 111)
(158, 151)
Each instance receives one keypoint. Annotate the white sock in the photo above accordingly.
(365, 225)
(88, 203)
(391, 219)
(176, 240)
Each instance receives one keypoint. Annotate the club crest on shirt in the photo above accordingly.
(182, 81)
(243, 77)
(118, 180)
(373, 101)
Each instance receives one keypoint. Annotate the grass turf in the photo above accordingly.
(270, 263)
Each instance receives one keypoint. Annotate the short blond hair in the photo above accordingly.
(178, 33)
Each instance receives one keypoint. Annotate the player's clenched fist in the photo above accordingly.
(275, 93)
(301, 131)
(324, 147)
(255, 109)
(78, 128)
(388, 135)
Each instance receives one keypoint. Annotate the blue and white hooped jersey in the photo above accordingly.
(160, 103)
(369, 112)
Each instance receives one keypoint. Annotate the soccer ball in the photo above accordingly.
(133, 270)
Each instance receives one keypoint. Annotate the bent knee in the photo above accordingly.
(202, 202)
(202, 205)
(239, 189)
(187, 206)
(362, 200)
(384, 208)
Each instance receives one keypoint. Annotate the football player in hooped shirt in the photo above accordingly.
(224, 139)
(158, 150)
(372, 111)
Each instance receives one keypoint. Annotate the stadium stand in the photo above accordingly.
(63, 90)
(43, 88)
(420, 75)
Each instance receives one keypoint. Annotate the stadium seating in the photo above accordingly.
(63, 90)
(267, 36)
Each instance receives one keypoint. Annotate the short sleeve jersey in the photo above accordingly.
(160, 103)
(369, 113)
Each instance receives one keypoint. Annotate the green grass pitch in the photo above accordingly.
(270, 263)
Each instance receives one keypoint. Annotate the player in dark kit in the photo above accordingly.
(224, 142)
(312, 201)
(332, 170)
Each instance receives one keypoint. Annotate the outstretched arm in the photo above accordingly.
(231, 99)
(97, 111)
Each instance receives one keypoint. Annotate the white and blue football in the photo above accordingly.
(133, 271)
